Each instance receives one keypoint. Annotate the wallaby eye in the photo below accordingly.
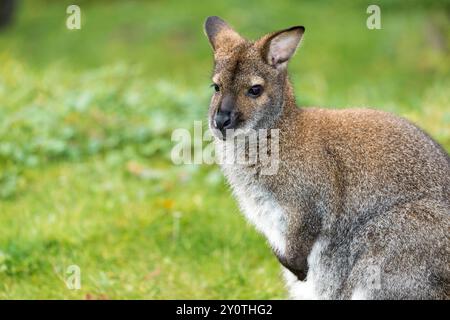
(216, 87)
(255, 91)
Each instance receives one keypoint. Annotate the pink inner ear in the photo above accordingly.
(282, 48)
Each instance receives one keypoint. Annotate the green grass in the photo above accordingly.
(86, 119)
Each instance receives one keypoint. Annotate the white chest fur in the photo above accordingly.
(257, 203)
(265, 213)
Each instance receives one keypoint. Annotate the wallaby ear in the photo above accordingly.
(220, 34)
(279, 47)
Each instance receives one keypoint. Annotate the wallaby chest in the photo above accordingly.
(258, 203)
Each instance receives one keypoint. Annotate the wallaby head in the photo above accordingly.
(249, 78)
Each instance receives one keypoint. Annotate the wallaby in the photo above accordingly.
(359, 206)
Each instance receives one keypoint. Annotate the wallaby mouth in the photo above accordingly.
(224, 123)
(223, 120)
(222, 134)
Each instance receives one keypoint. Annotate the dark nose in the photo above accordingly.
(224, 116)
(223, 120)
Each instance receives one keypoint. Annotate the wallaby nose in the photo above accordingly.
(223, 120)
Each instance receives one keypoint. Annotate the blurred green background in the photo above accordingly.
(85, 136)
